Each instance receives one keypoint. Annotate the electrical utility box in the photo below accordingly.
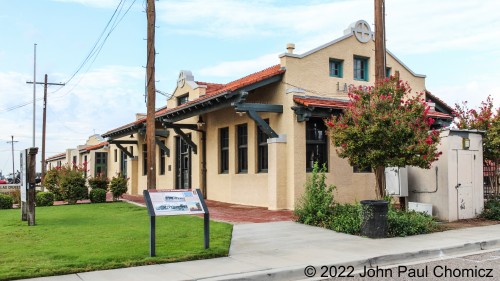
(396, 181)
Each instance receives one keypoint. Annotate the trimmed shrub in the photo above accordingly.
(316, 205)
(346, 218)
(51, 182)
(405, 223)
(44, 199)
(99, 182)
(118, 186)
(73, 187)
(16, 196)
(97, 195)
(492, 209)
(6, 201)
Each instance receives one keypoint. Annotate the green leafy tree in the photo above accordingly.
(385, 126)
(488, 120)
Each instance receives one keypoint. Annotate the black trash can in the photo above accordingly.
(374, 218)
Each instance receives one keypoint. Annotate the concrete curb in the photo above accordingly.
(297, 273)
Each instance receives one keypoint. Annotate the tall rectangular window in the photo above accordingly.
(262, 150)
(242, 148)
(116, 155)
(336, 68)
(356, 169)
(123, 164)
(131, 150)
(75, 164)
(101, 164)
(316, 143)
(85, 166)
(162, 156)
(144, 159)
(224, 150)
(361, 68)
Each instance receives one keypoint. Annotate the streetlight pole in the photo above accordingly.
(13, 169)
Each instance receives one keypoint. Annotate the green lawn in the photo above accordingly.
(86, 237)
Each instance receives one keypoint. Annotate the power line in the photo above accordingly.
(93, 53)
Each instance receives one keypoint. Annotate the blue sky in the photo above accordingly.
(454, 42)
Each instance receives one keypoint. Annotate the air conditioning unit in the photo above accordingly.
(396, 181)
(420, 207)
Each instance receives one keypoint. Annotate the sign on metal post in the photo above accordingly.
(175, 202)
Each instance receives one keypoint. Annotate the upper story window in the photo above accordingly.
(388, 71)
(182, 99)
(361, 68)
(336, 68)
(316, 143)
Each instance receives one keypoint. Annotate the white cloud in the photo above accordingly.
(104, 99)
(240, 68)
(95, 3)
(230, 18)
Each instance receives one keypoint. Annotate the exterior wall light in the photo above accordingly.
(465, 143)
(200, 122)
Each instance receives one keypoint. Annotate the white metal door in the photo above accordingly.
(465, 178)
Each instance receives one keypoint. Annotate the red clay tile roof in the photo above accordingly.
(57, 156)
(214, 89)
(321, 102)
(439, 115)
(341, 104)
(211, 87)
(94, 147)
(440, 101)
(231, 86)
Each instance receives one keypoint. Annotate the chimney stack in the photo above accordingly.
(290, 47)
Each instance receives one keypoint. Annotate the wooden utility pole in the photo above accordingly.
(150, 84)
(379, 41)
(31, 184)
(44, 128)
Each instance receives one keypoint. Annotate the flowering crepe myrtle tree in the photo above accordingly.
(384, 126)
(488, 120)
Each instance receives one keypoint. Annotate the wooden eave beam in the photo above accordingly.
(187, 140)
(130, 155)
(163, 146)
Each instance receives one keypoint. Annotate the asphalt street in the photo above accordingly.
(484, 266)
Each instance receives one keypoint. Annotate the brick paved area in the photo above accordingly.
(234, 213)
(220, 211)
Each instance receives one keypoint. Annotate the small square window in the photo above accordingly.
(388, 71)
(182, 99)
(336, 68)
(361, 68)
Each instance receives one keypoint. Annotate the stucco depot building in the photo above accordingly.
(254, 140)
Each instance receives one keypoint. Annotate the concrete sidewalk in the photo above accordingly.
(281, 251)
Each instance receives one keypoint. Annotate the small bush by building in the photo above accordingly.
(118, 186)
(98, 195)
(316, 205)
(72, 185)
(44, 199)
(100, 182)
(492, 209)
(6, 201)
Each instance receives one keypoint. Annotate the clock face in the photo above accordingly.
(182, 80)
(362, 31)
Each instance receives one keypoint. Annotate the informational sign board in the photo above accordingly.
(175, 202)
(6, 188)
(24, 174)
